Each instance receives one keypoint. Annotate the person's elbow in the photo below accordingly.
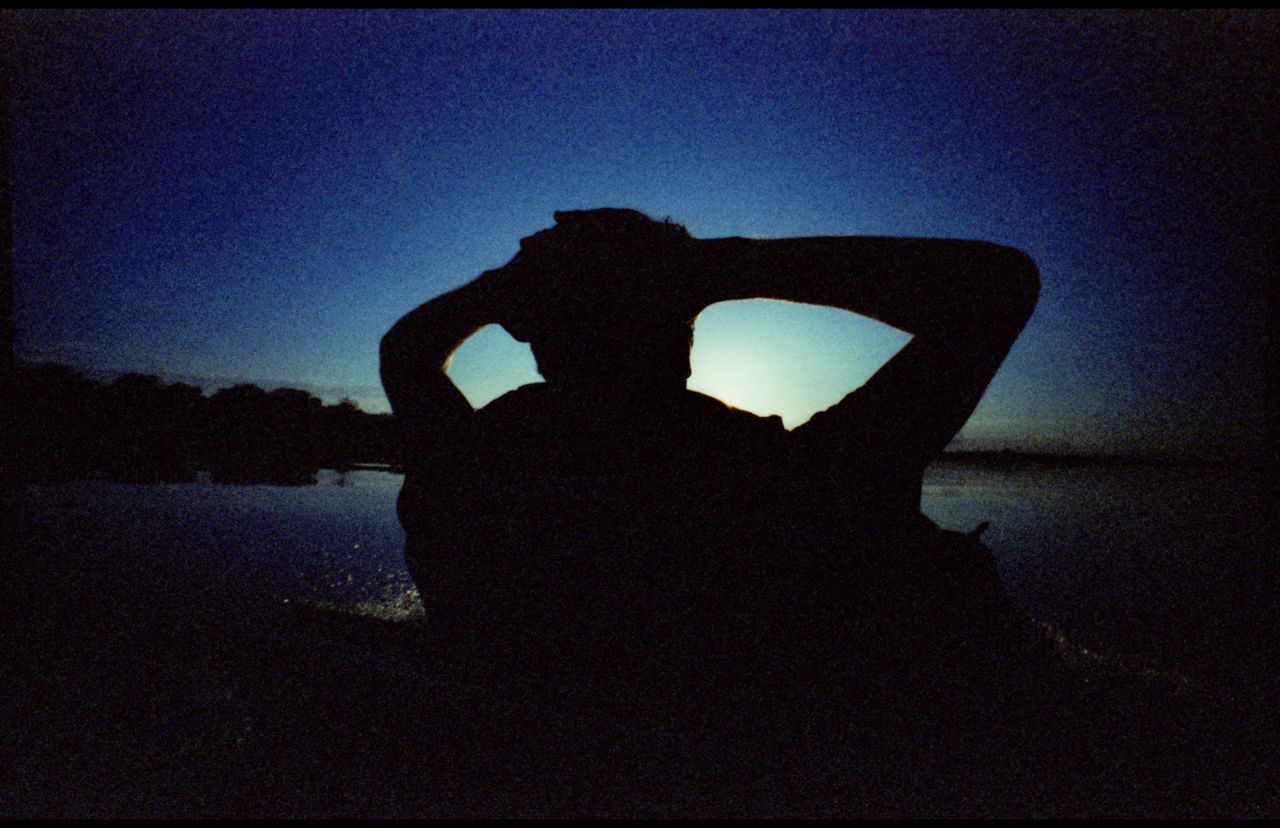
(1019, 283)
(395, 361)
(390, 351)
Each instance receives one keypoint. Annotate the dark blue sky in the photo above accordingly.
(260, 195)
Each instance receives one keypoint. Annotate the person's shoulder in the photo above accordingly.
(523, 402)
(715, 408)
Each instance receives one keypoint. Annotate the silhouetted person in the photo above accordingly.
(612, 489)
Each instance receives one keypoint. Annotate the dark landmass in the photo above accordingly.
(64, 426)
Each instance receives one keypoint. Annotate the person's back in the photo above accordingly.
(549, 524)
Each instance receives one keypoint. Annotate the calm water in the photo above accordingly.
(1128, 558)
(1153, 560)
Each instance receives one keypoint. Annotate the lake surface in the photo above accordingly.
(1162, 561)
(1128, 558)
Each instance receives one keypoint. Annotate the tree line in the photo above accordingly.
(137, 428)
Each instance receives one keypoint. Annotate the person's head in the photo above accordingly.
(619, 354)
(610, 314)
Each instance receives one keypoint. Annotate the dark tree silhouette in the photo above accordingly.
(57, 420)
(256, 436)
(150, 429)
(139, 429)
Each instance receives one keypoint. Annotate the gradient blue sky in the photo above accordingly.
(258, 196)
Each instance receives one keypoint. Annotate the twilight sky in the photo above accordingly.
(258, 196)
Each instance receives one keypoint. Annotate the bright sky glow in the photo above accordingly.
(781, 358)
(490, 364)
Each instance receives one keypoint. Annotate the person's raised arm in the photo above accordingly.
(964, 302)
(920, 286)
(415, 353)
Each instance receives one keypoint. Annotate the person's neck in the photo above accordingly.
(634, 392)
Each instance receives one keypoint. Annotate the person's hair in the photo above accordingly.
(618, 222)
(604, 315)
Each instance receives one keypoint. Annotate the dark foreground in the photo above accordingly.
(123, 700)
